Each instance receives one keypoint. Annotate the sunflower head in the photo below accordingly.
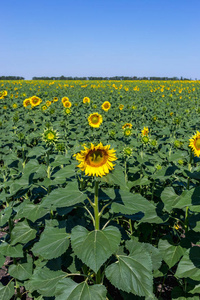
(128, 151)
(35, 101)
(145, 131)
(86, 100)
(127, 125)
(106, 106)
(145, 139)
(195, 143)
(67, 104)
(127, 131)
(44, 107)
(96, 160)
(14, 105)
(64, 99)
(95, 120)
(50, 136)
(121, 106)
(154, 143)
(67, 111)
(55, 99)
(27, 102)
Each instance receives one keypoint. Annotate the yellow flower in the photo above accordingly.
(48, 103)
(195, 144)
(14, 105)
(50, 136)
(121, 106)
(145, 131)
(27, 102)
(127, 131)
(55, 99)
(127, 125)
(35, 101)
(64, 99)
(96, 160)
(106, 106)
(44, 107)
(5, 107)
(95, 120)
(67, 104)
(67, 111)
(86, 100)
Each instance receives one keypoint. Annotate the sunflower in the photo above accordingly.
(35, 101)
(95, 120)
(96, 160)
(121, 106)
(145, 131)
(127, 151)
(14, 105)
(195, 143)
(27, 102)
(67, 104)
(106, 106)
(48, 103)
(50, 136)
(127, 125)
(44, 107)
(67, 111)
(64, 99)
(127, 132)
(55, 99)
(86, 100)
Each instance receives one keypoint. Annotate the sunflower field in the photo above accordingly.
(99, 190)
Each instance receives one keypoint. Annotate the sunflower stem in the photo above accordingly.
(188, 185)
(96, 205)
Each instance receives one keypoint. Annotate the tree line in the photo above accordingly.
(94, 78)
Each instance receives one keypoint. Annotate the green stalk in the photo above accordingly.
(96, 205)
(188, 185)
(125, 170)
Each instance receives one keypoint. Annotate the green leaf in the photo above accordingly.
(22, 271)
(116, 177)
(2, 259)
(12, 251)
(31, 211)
(53, 243)
(132, 274)
(67, 289)
(64, 197)
(189, 266)
(45, 281)
(7, 291)
(169, 198)
(171, 254)
(5, 215)
(22, 233)
(63, 174)
(196, 289)
(95, 247)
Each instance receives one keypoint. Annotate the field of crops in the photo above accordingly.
(100, 190)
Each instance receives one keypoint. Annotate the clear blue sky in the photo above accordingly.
(100, 38)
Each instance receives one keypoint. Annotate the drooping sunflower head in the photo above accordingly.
(195, 143)
(35, 101)
(86, 100)
(96, 160)
(127, 125)
(50, 136)
(67, 104)
(145, 131)
(95, 120)
(106, 106)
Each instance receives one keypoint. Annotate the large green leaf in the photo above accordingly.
(95, 247)
(5, 215)
(189, 266)
(64, 197)
(12, 251)
(7, 291)
(53, 243)
(45, 281)
(169, 198)
(67, 289)
(171, 254)
(132, 274)
(63, 174)
(31, 211)
(22, 271)
(22, 233)
(2, 259)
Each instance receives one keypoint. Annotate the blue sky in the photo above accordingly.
(100, 38)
